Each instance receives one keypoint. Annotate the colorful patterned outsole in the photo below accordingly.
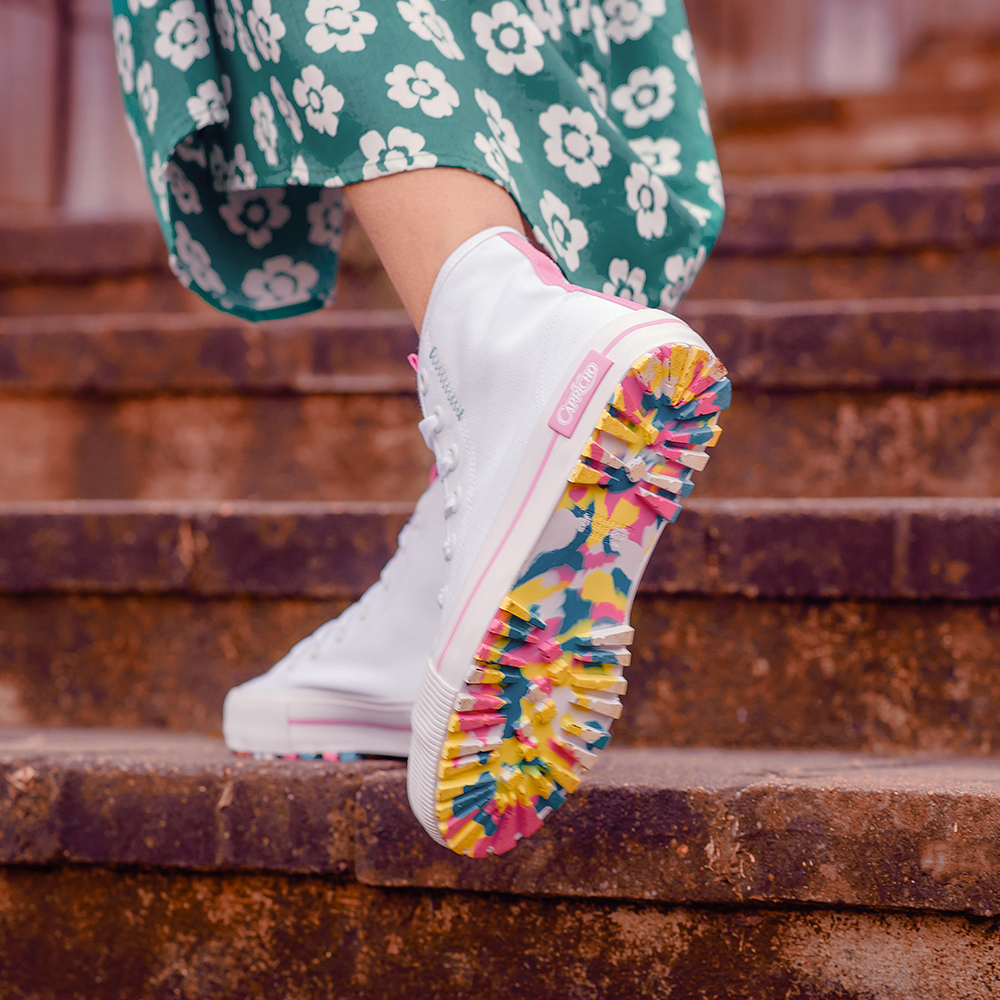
(547, 678)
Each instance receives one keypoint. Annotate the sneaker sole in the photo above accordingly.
(540, 687)
(314, 723)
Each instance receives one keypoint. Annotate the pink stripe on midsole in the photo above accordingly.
(346, 722)
(667, 318)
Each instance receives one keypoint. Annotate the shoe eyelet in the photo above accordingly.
(422, 381)
(440, 598)
(451, 456)
(448, 549)
(439, 414)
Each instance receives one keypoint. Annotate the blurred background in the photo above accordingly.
(793, 85)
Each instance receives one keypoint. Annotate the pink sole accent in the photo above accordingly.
(346, 722)
(548, 271)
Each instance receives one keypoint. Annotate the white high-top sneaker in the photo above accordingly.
(350, 686)
(566, 425)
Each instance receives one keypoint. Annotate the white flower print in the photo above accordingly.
(646, 195)
(287, 110)
(184, 193)
(626, 283)
(400, 150)
(503, 131)
(190, 150)
(134, 5)
(586, 15)
(548, 16)
(339, 24)
(210, 104)
(423, 84)
(192, 262)
(333, 182)
(264, 129)
(426, 23)
(660, 155)
(706, 125)
(683, 45)
(237, 174)
(648, 94)
(707, 171)
(566, 236)
(590, 80)
(158, 182)
(321, 100)
(300, 171)
(225, 26)
(326, 219)
(680, 272)
(255, 214)
(183, 34)
(121, 30)
(496, 161)
(244, 38)
(267, 29)
(631, 19)
(281, 282)
(510, 38)
(575, 144)
(701, 215)
(149, 96)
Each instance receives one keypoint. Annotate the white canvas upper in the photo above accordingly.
(350, 686)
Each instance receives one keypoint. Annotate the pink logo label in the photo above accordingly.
(578, 393)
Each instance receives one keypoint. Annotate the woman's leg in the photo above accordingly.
(416, 219)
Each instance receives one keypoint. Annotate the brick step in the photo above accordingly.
(915, 232)
(883, 397)
(854, 624)
(158, 865)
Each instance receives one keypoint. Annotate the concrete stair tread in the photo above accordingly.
(936, 341)
(879, 548)
(671, 825)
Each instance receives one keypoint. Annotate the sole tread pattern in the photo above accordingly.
(546, 684)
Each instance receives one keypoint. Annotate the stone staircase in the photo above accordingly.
(800, 801)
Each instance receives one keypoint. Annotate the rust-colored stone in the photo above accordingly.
(806, 548)
(860, 675)
(70, 933)
(857, 675)
(114, 797)
(729, 827)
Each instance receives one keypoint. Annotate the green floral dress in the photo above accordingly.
(249, 116)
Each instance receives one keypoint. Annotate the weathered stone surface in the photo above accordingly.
(115, 797)
(857, 343)
(671, 825)
(856, 675)
(897, 210)
(865, 548)
(326, 352)
(275, 549)
(344, 447)
(164, 661)
(729, 827)
(884, 676)
(157, 935)
(924, 342)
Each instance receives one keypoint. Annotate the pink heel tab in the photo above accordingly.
(548, 271)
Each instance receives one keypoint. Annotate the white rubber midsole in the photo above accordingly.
(315, 721)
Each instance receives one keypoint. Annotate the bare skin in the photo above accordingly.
(416, 219)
